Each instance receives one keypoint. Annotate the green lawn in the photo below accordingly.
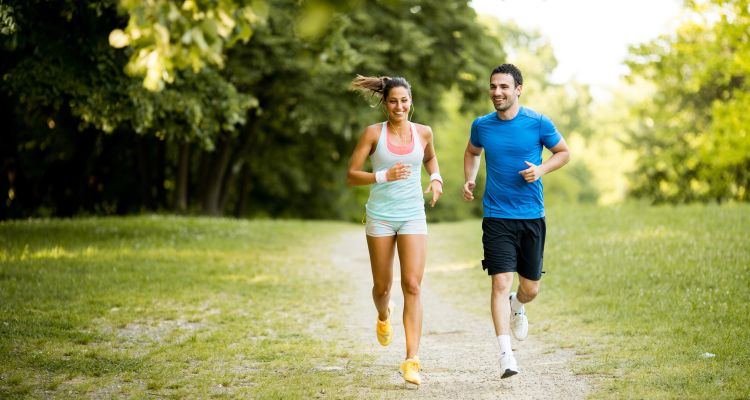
(167, 307)
(641, 293)
(197, 307)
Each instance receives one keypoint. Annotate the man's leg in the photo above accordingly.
(501, 284)
(529, 274)
(527, 291)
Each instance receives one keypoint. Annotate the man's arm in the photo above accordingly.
(472, 159)
(560, 157)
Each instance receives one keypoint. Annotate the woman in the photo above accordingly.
(395, 209)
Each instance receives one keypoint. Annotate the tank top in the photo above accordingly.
(400, 200)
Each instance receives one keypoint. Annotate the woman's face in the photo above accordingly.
(398, 104)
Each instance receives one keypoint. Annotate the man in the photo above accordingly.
(513, 226)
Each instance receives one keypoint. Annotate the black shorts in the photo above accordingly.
(514, 245)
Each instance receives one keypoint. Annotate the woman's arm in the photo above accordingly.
(356, 176)
(430, 162)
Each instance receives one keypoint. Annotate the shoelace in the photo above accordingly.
(413, 364)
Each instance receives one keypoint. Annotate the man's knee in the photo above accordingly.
(527, 291)
(502, 282)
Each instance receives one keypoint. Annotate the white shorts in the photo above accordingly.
(379, 227)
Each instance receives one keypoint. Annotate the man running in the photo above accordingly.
(514, 226)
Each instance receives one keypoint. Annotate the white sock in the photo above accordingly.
(515, 305)
(504, 341)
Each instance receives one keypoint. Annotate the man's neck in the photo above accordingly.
(510, 113)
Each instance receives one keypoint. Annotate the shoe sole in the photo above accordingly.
(508, 373)
(409, 384)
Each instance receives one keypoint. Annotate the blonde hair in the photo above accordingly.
(381, 85)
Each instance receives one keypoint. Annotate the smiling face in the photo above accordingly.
(504, 92)
(397, 104)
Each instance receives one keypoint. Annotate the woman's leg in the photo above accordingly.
(381, 262)
(411, 253)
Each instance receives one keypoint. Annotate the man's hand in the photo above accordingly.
(469, 190)
(531, 174)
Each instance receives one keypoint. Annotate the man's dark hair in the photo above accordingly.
(509, 69)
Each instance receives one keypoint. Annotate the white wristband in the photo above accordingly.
(436, 177)
(380, 176)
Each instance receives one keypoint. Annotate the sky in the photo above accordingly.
(590, 38)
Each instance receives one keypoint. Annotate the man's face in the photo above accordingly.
(503, 91)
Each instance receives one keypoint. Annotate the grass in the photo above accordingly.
(641, 294)
(215, 308)
(168, 307)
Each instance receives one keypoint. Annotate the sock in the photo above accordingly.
(504, 341)
(515, 305)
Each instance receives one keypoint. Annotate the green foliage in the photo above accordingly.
(693, 142)
(168, 36)
(7, 23)
(49, 77)
(268, 134)
(308, 120)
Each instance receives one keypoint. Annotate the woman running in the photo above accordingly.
(395, 210)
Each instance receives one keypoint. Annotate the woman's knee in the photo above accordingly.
(411, 287)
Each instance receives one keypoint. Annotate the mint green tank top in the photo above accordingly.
(400, 200)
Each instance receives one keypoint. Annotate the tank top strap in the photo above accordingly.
(415, 137)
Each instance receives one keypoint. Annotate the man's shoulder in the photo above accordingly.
(484, 119)
(529, 113)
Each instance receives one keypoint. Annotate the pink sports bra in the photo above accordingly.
(401, 149)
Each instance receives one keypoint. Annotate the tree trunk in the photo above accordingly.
(229, 179)
(160, 170)
(240, 209)
(245, 141)
(141, 152)
(217, 169)
(181, 178)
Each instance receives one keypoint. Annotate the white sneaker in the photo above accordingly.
(519, 323)
(508, 365)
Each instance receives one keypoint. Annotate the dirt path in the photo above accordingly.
(458, 350)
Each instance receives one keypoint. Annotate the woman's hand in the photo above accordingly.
(398, 171)
(436, 187)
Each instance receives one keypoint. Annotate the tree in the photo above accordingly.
(167, 36)
(693, 142)
(267, 134)
(61, 68)
(294, 151)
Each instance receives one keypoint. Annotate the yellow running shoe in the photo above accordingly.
(410, 370)
(384, 329)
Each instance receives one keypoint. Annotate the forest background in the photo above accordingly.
(241, 107)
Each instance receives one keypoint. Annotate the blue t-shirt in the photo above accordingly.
(507, 144)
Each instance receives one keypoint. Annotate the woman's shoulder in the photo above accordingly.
(373, 131)
(425, 131)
